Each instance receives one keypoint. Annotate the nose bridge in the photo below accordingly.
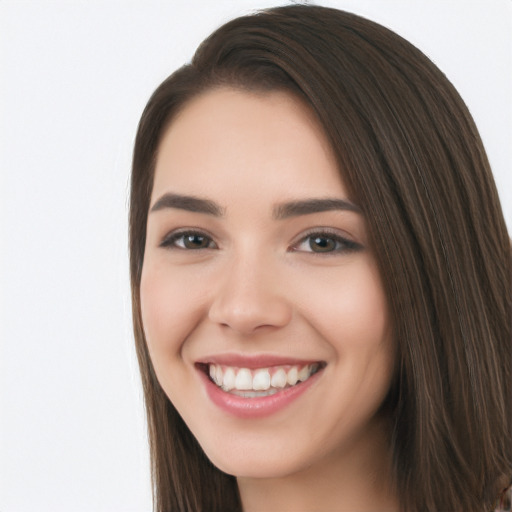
(250, 294)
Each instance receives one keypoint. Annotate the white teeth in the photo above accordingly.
(218, 376)
(228, 382)
(254, 394)
(243, 379)
(279, 379)
(293, 376)
(263, 381)
(304, 373)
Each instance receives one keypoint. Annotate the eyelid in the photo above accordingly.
(349, 245)
(169, 240)
(345, 240)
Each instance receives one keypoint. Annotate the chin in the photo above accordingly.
(254, 469)
(256, 463)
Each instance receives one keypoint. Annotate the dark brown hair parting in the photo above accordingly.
(411, 157)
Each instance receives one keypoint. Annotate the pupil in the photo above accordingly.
(195, 241)
(320, 244)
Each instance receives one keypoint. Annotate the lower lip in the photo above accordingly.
(256, 407)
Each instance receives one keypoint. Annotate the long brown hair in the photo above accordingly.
(411, 156)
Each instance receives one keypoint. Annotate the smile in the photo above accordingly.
(251, 383)
(257, 387)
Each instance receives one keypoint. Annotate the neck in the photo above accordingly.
(353, 480)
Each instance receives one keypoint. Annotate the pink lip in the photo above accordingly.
(252, 362)
(256, 407)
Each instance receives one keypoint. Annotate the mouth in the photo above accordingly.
(258, 382)
(256, 386)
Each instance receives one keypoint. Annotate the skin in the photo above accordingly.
(259, 286)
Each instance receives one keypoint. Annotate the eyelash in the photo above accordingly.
(171, 241)
(341, 244)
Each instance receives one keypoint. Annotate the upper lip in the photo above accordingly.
(253, 361)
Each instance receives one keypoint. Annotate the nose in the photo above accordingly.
(250, 296)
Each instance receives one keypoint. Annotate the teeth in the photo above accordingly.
(243, 380)
(293, 376)
(228, 382)
(303, 374)
(260, 382)
(279, 379)
(254, 394)
(218, 376)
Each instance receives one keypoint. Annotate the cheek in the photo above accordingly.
(169, 309)
(365, 311)
(350, 308)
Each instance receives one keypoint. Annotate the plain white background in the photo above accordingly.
(74, 78)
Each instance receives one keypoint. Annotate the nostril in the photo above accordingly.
(250, 313)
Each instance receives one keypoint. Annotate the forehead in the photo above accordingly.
(229, 139)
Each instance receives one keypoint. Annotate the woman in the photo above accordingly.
(321, 277)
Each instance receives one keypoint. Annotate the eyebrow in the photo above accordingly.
(188, 203)
(306, 207)
(281, 211)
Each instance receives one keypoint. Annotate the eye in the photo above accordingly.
(326, 242)
(188, 240)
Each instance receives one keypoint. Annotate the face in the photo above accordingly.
(262, 306)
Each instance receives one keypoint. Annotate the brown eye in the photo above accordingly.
(322, 244)
(189, 240)
(326, 243)
(194, 241)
